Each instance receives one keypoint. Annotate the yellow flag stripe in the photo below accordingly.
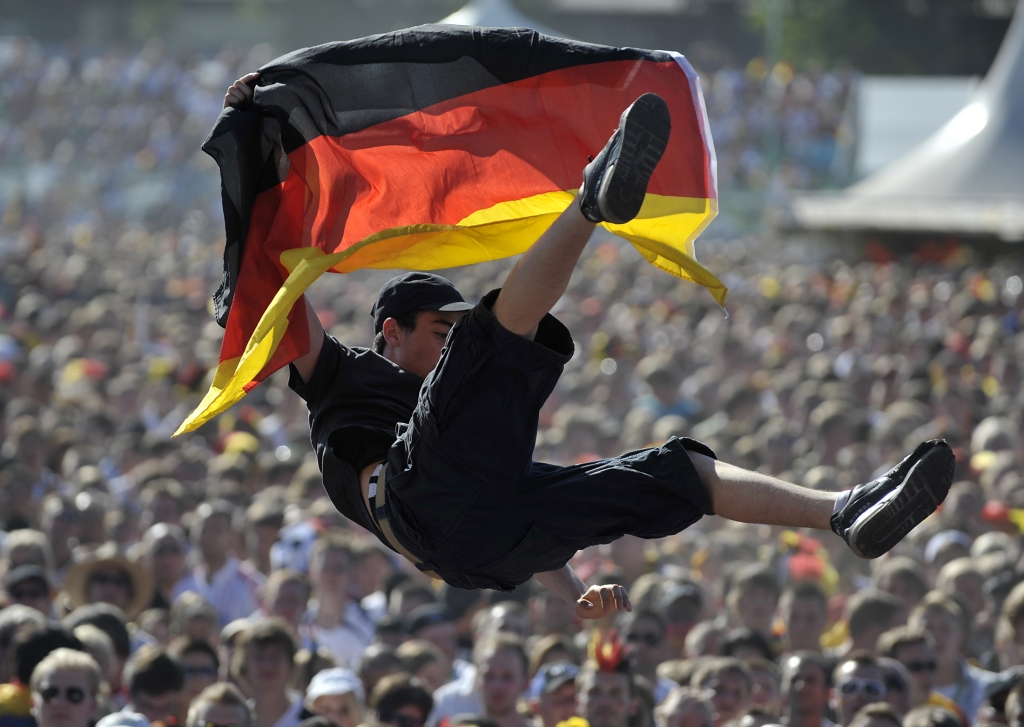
(663, 232)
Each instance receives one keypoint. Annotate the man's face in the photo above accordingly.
(64, 699)
(557, 706)
(804, 688)
(805, 621)
(168, 560)
(268, 668)
(756, 607)
(443, 635)
(605, 700)
(730, 696)
(647, 639)
(857, 685)
(215, 537)
(945, 633)
(289, 602)
(339, 708)
(33, 593)
(418, 351)
(331, 574)
(766, 690)
(502, 680)
(109, 584)
(919, 659)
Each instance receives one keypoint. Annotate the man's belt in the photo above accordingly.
(380, 515)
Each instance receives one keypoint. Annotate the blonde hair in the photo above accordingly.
(68, 659)
(222, 693)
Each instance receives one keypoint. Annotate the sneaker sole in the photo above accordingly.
(887, 522)
(645, 127)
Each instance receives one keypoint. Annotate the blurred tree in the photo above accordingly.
(928, 37)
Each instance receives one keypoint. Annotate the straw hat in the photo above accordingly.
(107, 556)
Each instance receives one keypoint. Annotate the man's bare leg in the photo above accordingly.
(541, 276)
(751, 497)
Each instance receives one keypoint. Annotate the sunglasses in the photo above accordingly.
(916, 667)
(191, 672)
(74, 695)
(649, 639)
(404, 720)
(868, 687)
(29, 594)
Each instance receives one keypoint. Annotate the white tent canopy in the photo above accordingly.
(966, 178)
(496, 14)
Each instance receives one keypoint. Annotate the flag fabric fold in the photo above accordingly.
(429, 148)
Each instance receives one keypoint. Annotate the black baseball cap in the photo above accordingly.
(412, 292)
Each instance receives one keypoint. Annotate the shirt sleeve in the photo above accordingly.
(325, 371)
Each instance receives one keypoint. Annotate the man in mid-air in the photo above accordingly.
(427, 439)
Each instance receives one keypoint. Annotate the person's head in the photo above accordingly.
(64, 688)
(913, 648)
(377, 662)
(425, 661)
(753, 597)
(111, 621)
(684, 707)
(745, 644)
(878, 714)
(211, 529)
(30, 586)
(509, 617)
(963, 578)
(32, 644)
(606, 692)
(330, 563)
(945, 620)
(805, 685)
(729, 683)
(551, 649)
(645, 632)
(192, 615)
(199, 662)
(412, 316)
(409, 595)
(681, 603)
(434, 623)
(766, 690)
(502, 673)
(155, 682)
(704, 639)
(401, 700)
(904, 579)
(553, 693)
(285, 594)
(99, 646)
(897, 684)
(220, 705)
(166, 550)
(858, 681)
(803, 609)
(265, 656)
(336, 694)
(869, 613)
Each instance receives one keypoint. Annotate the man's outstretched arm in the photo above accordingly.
(594, 602)
(307, 362)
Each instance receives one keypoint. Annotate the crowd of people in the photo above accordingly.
(208, 581)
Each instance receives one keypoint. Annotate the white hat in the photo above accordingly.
(334, 681)
(124, 718)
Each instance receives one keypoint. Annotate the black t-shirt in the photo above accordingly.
(355, 398)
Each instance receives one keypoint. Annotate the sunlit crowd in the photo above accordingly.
(208, 581)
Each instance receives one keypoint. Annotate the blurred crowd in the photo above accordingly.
(208, 581)
(779, 127)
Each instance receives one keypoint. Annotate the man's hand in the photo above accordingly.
(240, 93)
(600, 601)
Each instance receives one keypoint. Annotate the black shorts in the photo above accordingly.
(467, 498)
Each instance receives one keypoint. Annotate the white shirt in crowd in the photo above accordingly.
(231, 590)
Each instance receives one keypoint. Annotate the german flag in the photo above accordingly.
(429, 148)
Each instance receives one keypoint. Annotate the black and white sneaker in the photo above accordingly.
(880, 513)
(615, 182)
